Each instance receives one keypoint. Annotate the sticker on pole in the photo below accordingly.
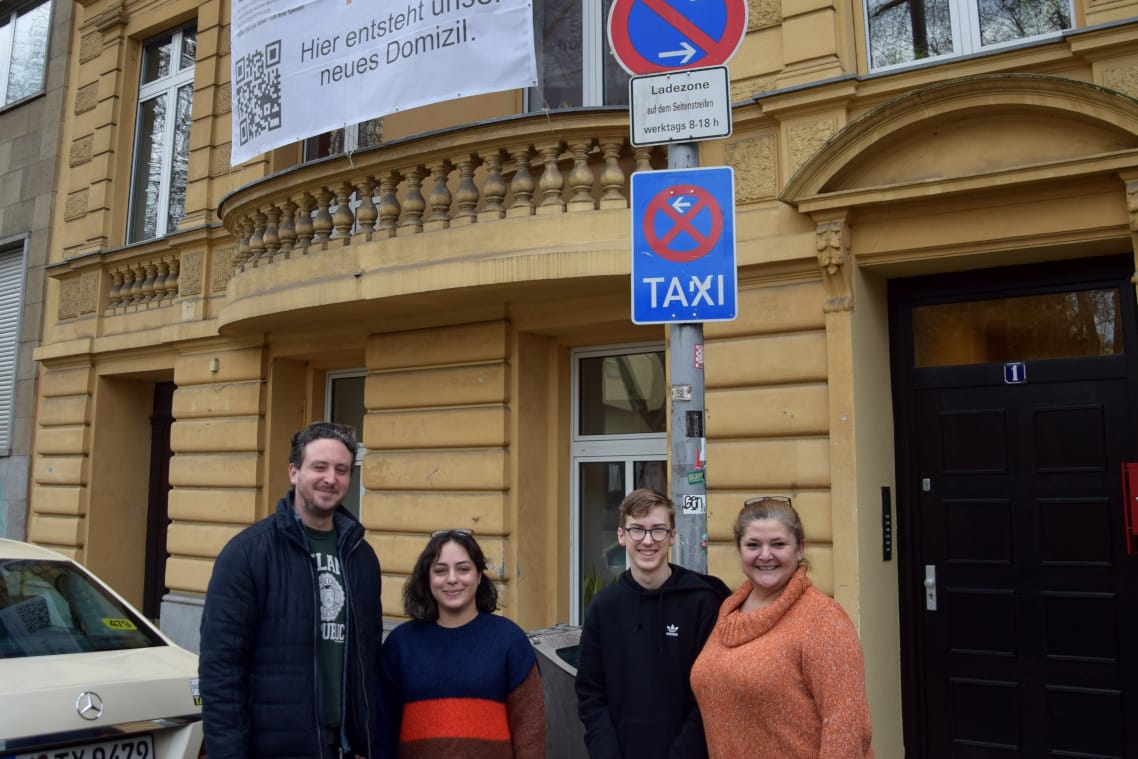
(650, 36)
(683, 246)
(693, 504)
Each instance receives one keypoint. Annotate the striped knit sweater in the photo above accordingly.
(783, 681)
(470, 692)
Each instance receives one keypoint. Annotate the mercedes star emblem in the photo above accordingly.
(89, 705)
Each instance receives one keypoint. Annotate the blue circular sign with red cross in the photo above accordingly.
(683, 245)
(653, 36)
(682, 223)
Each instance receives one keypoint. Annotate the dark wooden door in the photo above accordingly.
(158, 506)
(1016, 403)
(1029, 603)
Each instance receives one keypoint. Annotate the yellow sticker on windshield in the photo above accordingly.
(119, 624)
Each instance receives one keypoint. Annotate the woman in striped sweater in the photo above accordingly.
(782, 673)
(458, 681)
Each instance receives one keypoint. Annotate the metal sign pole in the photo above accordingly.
(693, 38)
(688, 440)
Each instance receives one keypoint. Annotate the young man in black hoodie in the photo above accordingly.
(641, 636)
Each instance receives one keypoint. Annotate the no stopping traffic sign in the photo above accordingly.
(651, 36)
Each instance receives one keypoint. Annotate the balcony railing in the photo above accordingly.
(536, 165)
(525, 166)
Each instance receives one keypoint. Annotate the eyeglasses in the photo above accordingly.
(764, 498)
(460, 531)
(637, 533)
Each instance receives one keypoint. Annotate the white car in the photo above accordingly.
(82, 674)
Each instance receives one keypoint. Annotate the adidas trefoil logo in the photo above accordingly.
(672, 631)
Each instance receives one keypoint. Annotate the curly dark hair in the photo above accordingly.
(345, 433)
(419, 603)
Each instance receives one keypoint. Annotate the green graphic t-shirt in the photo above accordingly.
(333, 601)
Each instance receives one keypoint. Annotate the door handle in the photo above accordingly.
(930, 587)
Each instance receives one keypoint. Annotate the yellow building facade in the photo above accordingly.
(460, 290)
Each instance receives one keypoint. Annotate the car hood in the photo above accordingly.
(134, 685)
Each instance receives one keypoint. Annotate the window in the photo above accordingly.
(620, 412)
(11, 304)
(53, 607)
(1070, 324)
(344, 404)
(346, 140)
(23, 49)
(574, 66)
(162, 135)
(905, 31)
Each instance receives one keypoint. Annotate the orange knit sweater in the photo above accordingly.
(784, 681)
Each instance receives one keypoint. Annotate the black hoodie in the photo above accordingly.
(636, 653)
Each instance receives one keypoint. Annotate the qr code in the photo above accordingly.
(258, 87)
(34, 614)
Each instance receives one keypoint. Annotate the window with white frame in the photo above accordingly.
(620, 416)
(24, 31)
(902, 32)
(162, 135)
(574, 66)
(344, 404)
(11, 305)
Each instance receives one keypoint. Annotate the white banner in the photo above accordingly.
(303, 67)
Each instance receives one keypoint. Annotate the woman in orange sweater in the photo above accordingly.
(782, 673)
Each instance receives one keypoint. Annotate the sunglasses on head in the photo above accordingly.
(766, 498)
(459, 531)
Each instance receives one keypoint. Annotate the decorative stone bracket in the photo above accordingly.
(836, 260)
(1132, 208)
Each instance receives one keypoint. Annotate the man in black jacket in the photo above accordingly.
(292, 623)
(641, 636)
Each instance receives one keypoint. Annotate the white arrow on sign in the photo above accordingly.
(680, 204)
(687, 52)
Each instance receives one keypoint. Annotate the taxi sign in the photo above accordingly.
(683, 245)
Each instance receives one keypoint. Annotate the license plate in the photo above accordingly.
(136, 747)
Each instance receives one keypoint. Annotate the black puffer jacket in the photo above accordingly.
(258, 662)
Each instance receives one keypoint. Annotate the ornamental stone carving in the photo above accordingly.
(222, 269)
(82, 150)
(190, 274)
(805, 139)
(833, 243)
(86, 98)
(1132, 203)
(1122, 79)
(762, 13)
(75, 206)
(90, 46)
(755, 161)
(69, 298)
(88, 293)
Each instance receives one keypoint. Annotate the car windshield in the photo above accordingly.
(53, 607)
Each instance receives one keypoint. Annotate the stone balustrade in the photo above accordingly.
(143, 281)
(537, 165)
(526, 166)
